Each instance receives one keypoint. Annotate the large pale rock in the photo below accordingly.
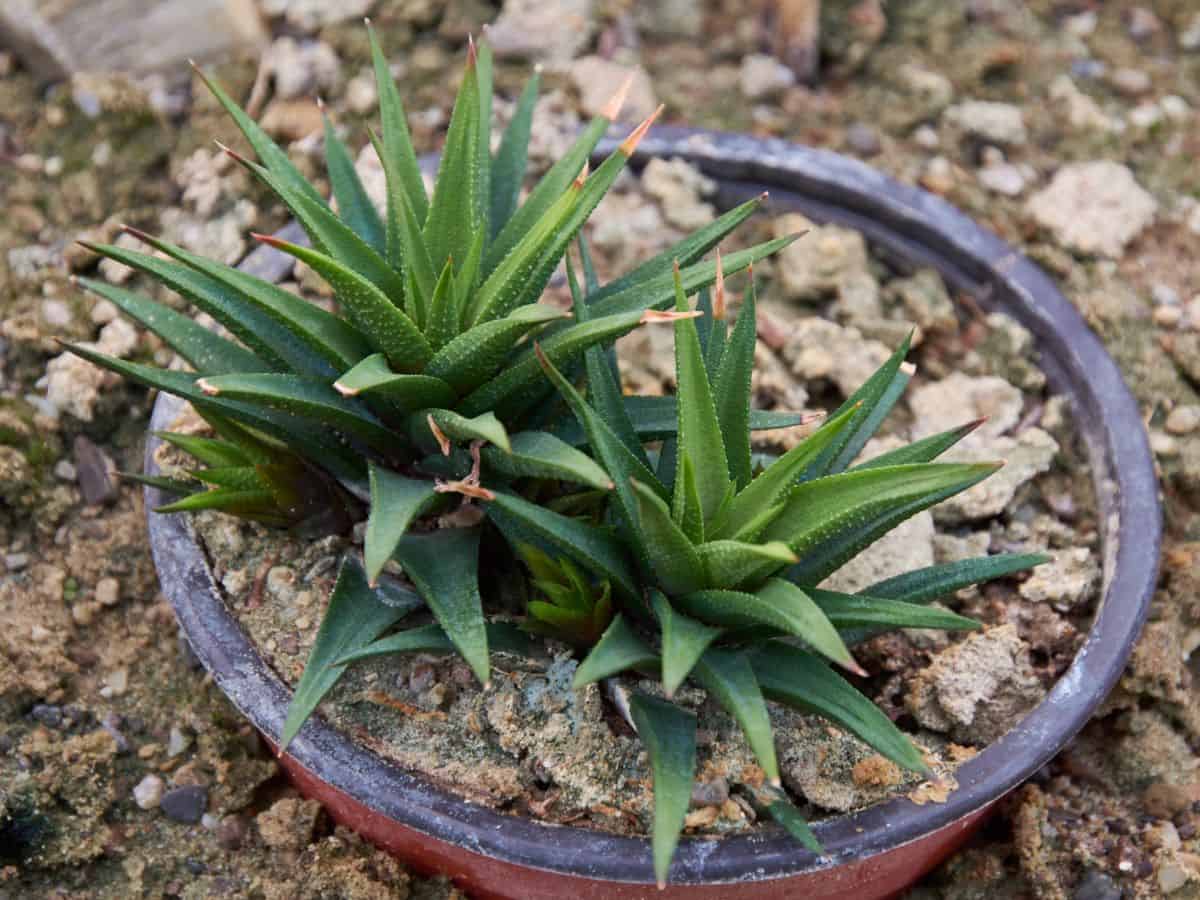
(549, 30)
(1094, 208)
(999, 123)
(817, 348)
(820, 263)
(1024, 457)
(906, 547)
(58, 39)
(977, 689)
(680, 188)
(959, 398)
(598, 79)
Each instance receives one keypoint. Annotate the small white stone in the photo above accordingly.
(1183, 419)
(1005, 179)
(104, 312)
(178, 741)
(56, 314)
(147, 794)
(1080, 25)
(361, 94)
(1000, 123)
(54, 166)
(1167, 316)
(926, 137)
(108, 591)
(64, 470)
(1175, 107)
(764, 76)
(116, 683)
(39, 633)
(1163, 444)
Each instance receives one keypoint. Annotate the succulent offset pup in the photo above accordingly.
(652, 540)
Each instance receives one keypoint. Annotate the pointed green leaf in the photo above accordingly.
(669, 734)
(783, 812)
(846, 611)
(603, 379)
(474, 355)
(538, 454)
(686, 507)
(255, 503)
(406, 250)
(466, 280)
(237, 478)
(830, 520)
(509, 281)
(925, 450)
(796, 678)
(210, 451)
(257, 329)
(398, 148)
(671, 553)
(431, 638)
(731, 388)
(656, 419)
(792, 614)
(618, 650)
(444, 566)
(272, 156)
(442, 314)
(729, 564)
(658, 291)
(304, 397)
(326, 334)
(333, 237)
(314, 443)
(874, 400)
(607, 448)
(356, 616)
(932, 582)
(484, 427)
(354, 206)
(549, 188)
(687, 251)
(385, 325)
(374, 377)
(684, 641)
(754, 505)
(818, 632)
(508, 168)
(204, 350)
(699, 437)
(593, 548)
(457, 207)
(534, 283)
(729, 678)
(521, 379)
(395, 502)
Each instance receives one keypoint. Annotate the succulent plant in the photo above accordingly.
(425, 381)
(653, 540)
(726, 556)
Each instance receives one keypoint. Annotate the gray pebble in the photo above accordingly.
(863, 139)
(94, 470)
(1095, 885)
(185, 804)
(50, 716)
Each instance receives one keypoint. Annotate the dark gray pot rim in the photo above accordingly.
(901, 221)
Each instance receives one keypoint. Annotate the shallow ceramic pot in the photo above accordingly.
(874, 853)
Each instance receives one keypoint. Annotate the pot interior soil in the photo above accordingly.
(830, 313)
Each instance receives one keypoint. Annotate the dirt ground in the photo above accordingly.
(124, 773)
